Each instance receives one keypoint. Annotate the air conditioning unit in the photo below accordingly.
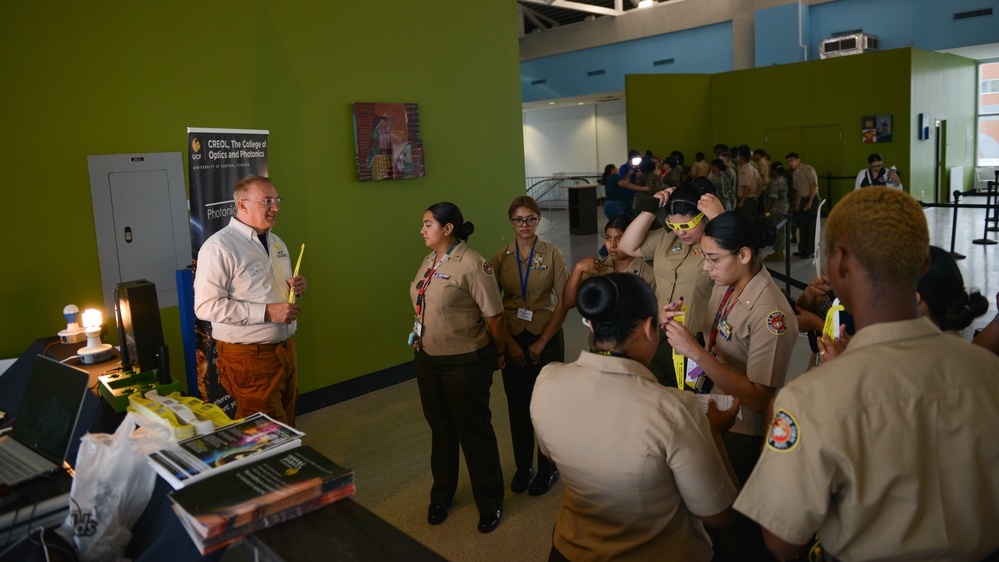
(852, 44)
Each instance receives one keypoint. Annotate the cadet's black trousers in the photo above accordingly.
(454, 391)
(518, 383)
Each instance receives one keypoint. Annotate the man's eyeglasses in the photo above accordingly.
(519, 221)
(713, 262)
(268, 202)
(685, 225)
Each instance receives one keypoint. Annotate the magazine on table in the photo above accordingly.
(226, 448)
(258, 495)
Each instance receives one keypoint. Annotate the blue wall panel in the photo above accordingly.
(926, 24)
(776, 35)
(703, 50)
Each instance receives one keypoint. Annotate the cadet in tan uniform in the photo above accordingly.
(531, 275)
(888, 452)
(455, 297)
(677, 259)
(642, 469)
(750, 331)
(616, 262)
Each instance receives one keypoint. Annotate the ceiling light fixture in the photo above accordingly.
(646, 3)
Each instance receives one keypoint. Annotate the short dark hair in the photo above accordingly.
(448, 213)
(718, 163)
(620, 222)
(699, 156)
(733, 231)
(875, 157)
(615, 305)
(950, 306)
(792, 155)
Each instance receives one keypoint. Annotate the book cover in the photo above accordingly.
(225, 448)
(206, 545)
(257, 490)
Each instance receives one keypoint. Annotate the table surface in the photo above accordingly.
(345, 530)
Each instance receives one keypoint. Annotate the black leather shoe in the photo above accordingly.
(542, 483)
(437, 513)
(489, 521)
(521, 480)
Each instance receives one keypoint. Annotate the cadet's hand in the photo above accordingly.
(818, 288)
(808, 321)
(501, 361)
(829, 348)
(710, 205)
(681, 339)
(535, 350)
(592, 266)
(515, 353)
(299, 284)
(669, 312)
(722, 420)
(281, 313)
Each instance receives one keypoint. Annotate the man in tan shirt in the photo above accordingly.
(889, 451)
(806, 188)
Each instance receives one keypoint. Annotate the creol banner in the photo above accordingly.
(216, 160)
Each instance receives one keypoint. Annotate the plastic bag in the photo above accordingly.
(112, 486)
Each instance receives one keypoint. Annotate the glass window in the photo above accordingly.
(988, 114)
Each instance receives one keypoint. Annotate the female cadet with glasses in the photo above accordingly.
(751, 331)
(455, 297)
(642, 466)
(677, 257)
(531, 274)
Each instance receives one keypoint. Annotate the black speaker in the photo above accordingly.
(140, 322)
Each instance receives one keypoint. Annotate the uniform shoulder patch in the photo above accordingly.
(783, 434)
(777, 323)
(487, 268)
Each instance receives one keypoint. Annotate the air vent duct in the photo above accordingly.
(848, 45)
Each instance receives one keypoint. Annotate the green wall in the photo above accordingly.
(125, 77)
(814, 108)
(944, 86)
(667, 112)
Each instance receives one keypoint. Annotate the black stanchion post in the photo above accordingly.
(953, 229)
(984, 240)
(993, 188)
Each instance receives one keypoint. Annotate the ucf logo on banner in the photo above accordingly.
(216, 160)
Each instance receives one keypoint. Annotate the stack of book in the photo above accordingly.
(246, 477)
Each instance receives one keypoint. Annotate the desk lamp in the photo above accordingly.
(73, 332)
(95, 352)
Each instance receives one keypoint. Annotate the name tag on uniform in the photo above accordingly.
(418, 328)
(525, 315)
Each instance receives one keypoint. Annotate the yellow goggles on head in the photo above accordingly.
(685, 225)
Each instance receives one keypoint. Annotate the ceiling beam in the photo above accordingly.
(579, 7)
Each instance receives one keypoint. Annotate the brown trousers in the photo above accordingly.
(260, 377)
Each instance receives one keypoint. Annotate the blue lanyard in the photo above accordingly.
(520, 271)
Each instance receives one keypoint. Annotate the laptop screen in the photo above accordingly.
(50, 406)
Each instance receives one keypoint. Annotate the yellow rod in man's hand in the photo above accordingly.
(291, 295)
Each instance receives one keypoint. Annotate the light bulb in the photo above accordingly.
(92, 318)
(95, 351)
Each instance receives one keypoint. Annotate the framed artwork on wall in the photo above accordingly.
(876, 128)
(387, 142)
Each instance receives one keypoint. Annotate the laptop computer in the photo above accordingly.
(45, 422)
